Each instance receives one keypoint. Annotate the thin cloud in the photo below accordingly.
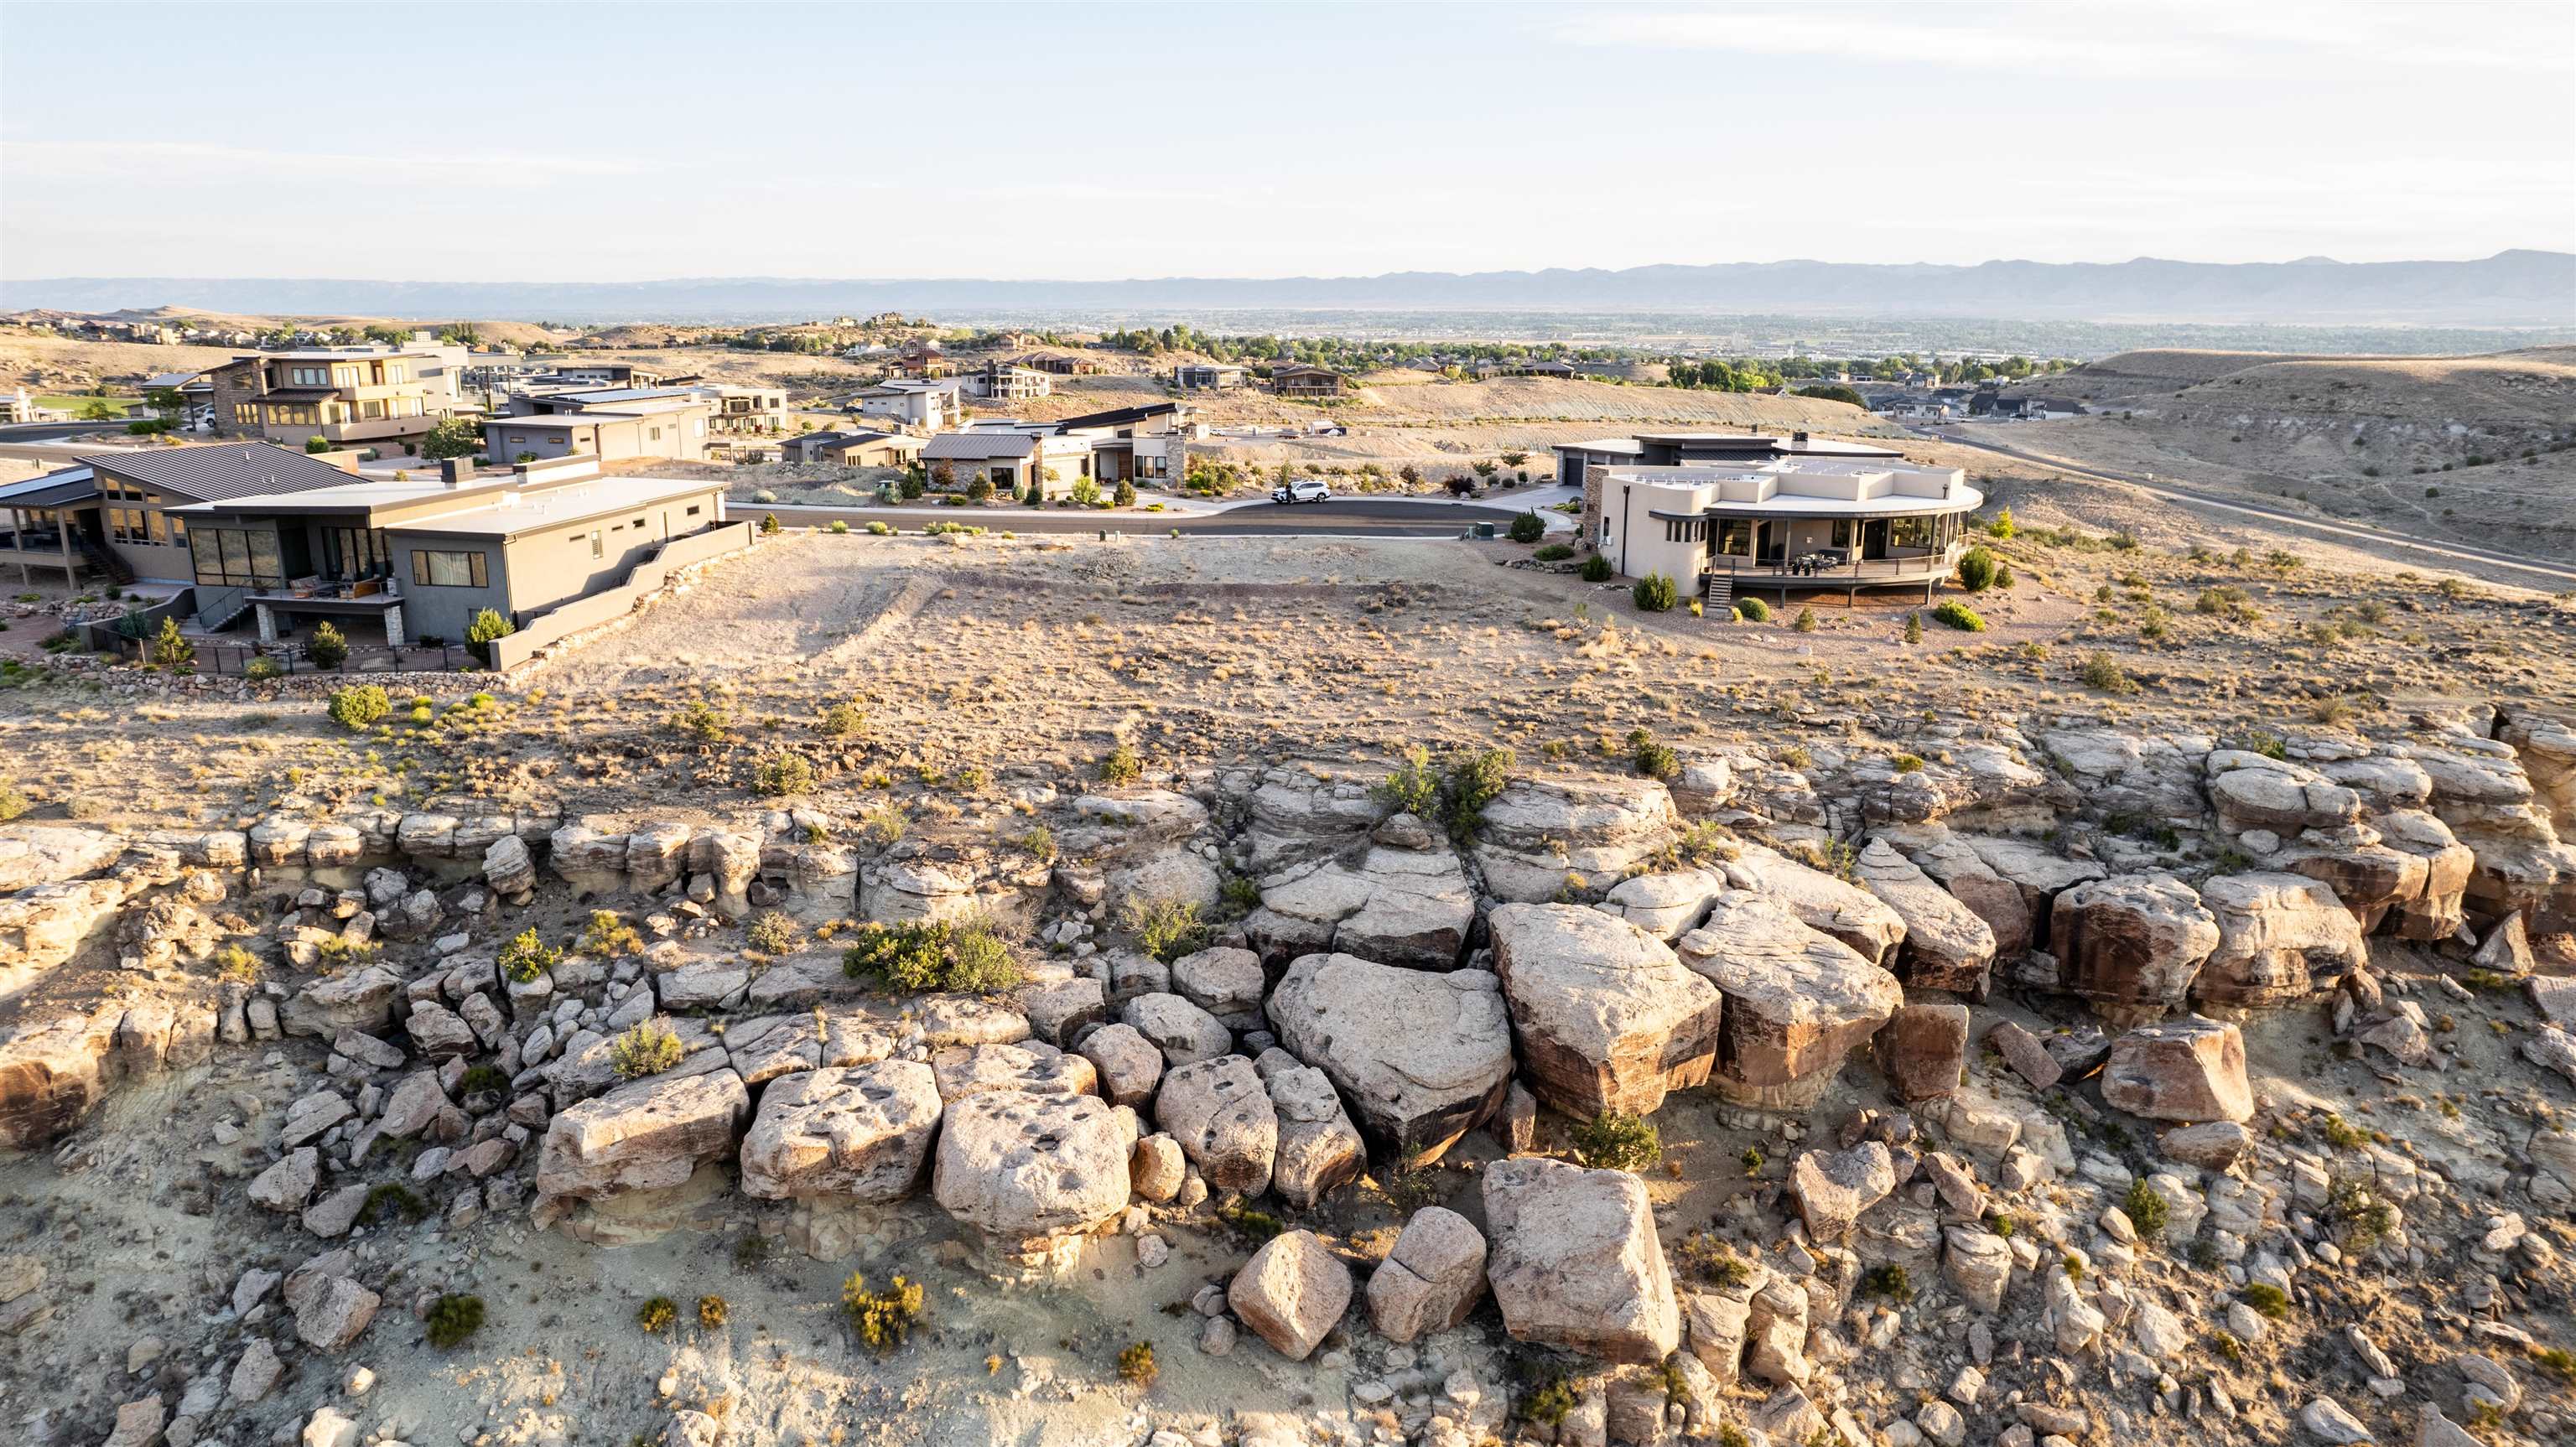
(164, 160)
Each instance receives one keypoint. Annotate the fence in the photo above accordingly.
(617, 602)
(234, 660)
(100, 635)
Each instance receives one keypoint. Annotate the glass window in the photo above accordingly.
(1842, 532)
(439, 569)
(1735, 536)
(595, 549)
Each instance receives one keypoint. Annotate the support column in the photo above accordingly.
(394, 626)
(267, 622)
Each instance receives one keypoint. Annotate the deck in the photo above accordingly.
(1733, 574)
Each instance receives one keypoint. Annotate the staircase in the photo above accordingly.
(218, 607)
(106, 562)
(1717, 596)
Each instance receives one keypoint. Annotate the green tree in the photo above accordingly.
(327, 648)
(171, 650)
(1125, 496)
(455, 437)
(96, 412)
(487, 626)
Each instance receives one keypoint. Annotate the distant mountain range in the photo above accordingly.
(2511, 288)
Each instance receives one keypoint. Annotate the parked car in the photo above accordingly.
(1304, 489)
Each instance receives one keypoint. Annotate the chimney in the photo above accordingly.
(455, 472)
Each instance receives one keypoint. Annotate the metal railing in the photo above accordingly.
(1906, 569)
(234, 660)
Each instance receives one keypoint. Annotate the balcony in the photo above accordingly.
(371, 428)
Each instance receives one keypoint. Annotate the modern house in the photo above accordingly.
(1297, 379)
(1519, 367)
(417, 560)
(927, 405)
(1788, 523)
(1577, 461)
(1061, 364)
(1147, 444)
(349, 397)
(1010, 460)
(2000, 408)
(852, 449)
(1005, 382)
(1206, 377)
(116, 515)
(608, 425)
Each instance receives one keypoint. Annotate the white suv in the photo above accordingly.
(1304, 489)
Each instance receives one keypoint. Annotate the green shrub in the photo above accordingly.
(526, 957)
(882, 1319)
(1550, 1402)
(1752, 610)
(2266, 1298)
(1554, 553)
(261, 670)
(1413, 786)
(702, 721)
(1528, 527)
(932, 955)
(328, 648)
(13, 801)
(656, 1315)
(357, 707)
(711, 1312)
(1888, 1280)
(1655, 593)
(1596, 568)
(841, 720)
(782, 773)
(606, 936)
(880, 530)
(1956, 614)
(1617, 1141)
(1976, 569)
(1652, 759)
(840, 527)
(2146, 1210)
(453, 1318)
(1805, 622)
(1476, 777)
(1121, 766)
(1136, 1364)
(772, 933)
(487, 627)
(483, 1078)
(768, 524)
(391, 1199)
(1124, 495)
(648, 1048)
(2102, 671)
(1165, 928)
(2002, 526)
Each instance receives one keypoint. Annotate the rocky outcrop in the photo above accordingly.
(1027, 1065)
(2189, 1070)
(861, 1133)
(1946, 945)
(1823, 903)
(1948, 861)
(1922, 1050)
(1295, 815)
(34, 854)
(1538, 831)
(1402, 906)
(1423, 1058)
(1575, 1262)
(2132, 944)
(2127, 771)
(1431, 1278)
(1797, 1001)
(1608, 1018)
(2479, 789)
(2281, 938)
(1665, 905)
(1833, 1188)
(1319, 1148)
(2040, 873)
(650, 1135)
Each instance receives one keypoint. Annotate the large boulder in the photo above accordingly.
(1029, 1065)
(2186, 1070)
(2255, 792)
(649, 1135)
(1797, 1001)
(2121, 770)
(1402, 906)
(1948, 861)
(2039, 872)
(1319, 1148)
(2281, 938)
(361, 1000)
(1225, 982)
(1823, 903)
(1607, 1016)
(1184, 1033)
(33, 854)
(2131, 944)
(2481, 790)
(1665, 905)
(1575, 1262)
(1947, 945)
(1292, 1292)
(1833, 1188)
(859, 1133)
(1222, 1116)
(1025, 1168)
(1423, 1058)
(1538, 831)
(1922, 1050)
(1432, 1277)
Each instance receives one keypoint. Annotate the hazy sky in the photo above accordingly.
(628, 141)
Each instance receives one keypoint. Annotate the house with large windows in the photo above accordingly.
(348, 397)
(1787, 524)
(115, 514)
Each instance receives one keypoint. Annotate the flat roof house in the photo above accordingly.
(927, 405)
(1788, 523)
(610, 425)
(1206, 377)
(346, 396)
(1577, 462)
(420, 559)
(1147, 443)
(1297, 379)
(1004, 382)
(852, 449)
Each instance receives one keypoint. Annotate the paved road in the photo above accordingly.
(2537, 572)
(54, 431)
(1342, 517)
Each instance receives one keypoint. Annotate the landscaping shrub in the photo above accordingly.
(840, 527)
(768, 524)
(1913, 627)
(1124, 495)
(1655, 593)
(486, 627)
(1554, 553)
(261, 670)
(1805, 622)
(1596, 568)
(1976, 570)
(1956, 614)
(1528, 527)
(328, 648)
(2002, 526)
(453, 1318)
(1752, 610)
(648, 1048)
(1617, 1141)
(357, 707)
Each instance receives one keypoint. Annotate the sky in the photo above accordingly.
(635, 141)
